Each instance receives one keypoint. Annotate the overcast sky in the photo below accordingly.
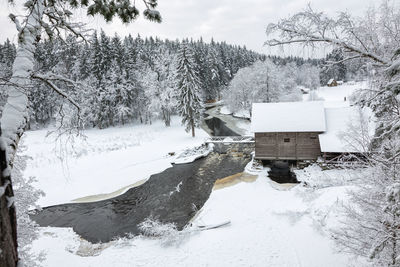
(241, 22)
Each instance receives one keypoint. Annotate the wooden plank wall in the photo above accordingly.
(292, 146)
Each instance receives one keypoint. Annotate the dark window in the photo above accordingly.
(286, 140)
(313, 137)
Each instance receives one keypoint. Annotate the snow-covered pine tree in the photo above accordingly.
(83, 63)
(7, 57)
(117, 53)
(189, 86)
(335, 71)
(212, 73)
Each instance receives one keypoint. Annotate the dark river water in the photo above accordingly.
(172, 196)
(219, 128)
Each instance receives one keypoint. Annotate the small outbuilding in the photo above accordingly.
(305, 130)
(332, 83)
(289, 130)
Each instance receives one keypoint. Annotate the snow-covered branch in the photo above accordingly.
(297, 36)
(344, 60)
(48, 80)
(310, 27)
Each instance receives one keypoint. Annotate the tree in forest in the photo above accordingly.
(335, 71)
(371, 227)
(262, 82)
(51, 17)
(161, 85)
(189, 86)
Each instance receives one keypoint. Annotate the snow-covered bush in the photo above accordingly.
(315, 177)
(25, 198)
(371, 225)
(168, 233)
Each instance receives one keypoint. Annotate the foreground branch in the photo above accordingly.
(47, 80)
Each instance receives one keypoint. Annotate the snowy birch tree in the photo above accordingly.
(189, 86)
(160, 85)
(261, 82)
(371, 225)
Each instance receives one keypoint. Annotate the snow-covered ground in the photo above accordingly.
(337, 96)
(269, 227)
(106, 161)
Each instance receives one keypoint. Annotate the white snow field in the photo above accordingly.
(337, 96)
(107, 161)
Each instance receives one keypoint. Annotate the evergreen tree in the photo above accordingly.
(189, 86)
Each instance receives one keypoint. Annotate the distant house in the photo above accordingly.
(300, 130)
(332, 82)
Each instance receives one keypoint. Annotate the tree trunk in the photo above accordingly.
(15, 112)
(166, 117)
(193, 134)
(168, 123)
(8, 220)
(13, 122)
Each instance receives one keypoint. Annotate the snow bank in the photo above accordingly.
(192, 154)
(245, 114)
(225, 110)
(315, 177)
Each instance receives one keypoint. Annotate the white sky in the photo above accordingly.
(241, 22)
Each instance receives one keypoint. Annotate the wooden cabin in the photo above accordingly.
(332, 83)
(288, 130)
(301, 130)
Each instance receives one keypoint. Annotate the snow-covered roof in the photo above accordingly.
(331, 81)
(338, 121)
(288, 117)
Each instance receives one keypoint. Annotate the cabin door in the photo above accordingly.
(287, 145)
